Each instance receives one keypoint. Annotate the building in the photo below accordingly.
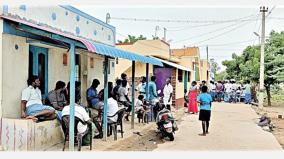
(43, 41)
(190, 57)
(173, 67)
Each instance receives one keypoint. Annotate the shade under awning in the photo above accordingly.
(91, 46)
(173, 64)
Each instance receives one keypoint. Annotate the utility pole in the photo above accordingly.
(107, 18)
(156, 30)
(207, 72)
(263, 9)
(165, 33)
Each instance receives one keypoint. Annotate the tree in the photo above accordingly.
(221, 76)
(214, 66)
(246, 66)
(132, 39)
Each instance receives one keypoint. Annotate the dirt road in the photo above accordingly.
(233, 127)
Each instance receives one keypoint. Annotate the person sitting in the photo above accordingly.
(123, 98)
(140, 108)
(81, 113)
(92, 94)
(116, 88)
(77, 91)
(57, 99)
(31, 102)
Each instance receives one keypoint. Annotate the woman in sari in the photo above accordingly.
(193, 93)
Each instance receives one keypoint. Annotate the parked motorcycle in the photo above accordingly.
(166, 124)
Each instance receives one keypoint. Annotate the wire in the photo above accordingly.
(197, 26)
(223, 33)
(179, 21)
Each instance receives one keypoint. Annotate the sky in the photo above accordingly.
(222, 39)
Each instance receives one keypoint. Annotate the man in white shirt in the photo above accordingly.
(123, 97)
(141, 88)
(124, 77)
(168, 93)
(31, 104)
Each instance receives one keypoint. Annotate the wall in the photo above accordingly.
(79, 24)
(142, 47)
(179, 86)
(140, 70)
(15, 73)
(1, 63)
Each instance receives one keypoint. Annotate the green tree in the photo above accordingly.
(214, 66)
(246, 65)
(132, 39)
(221, 76)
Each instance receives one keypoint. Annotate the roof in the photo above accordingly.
(91, 46)
(190, 51)
(173, 64)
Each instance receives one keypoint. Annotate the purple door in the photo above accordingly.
(161, 75)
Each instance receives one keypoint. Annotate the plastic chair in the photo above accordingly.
(78, 136)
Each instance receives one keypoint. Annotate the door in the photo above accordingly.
(38, 66)
(161, 76)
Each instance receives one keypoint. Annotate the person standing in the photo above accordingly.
(168, 93)
(205, 101)
(193, 93)
(212, 89)
(153, 97)
(124, 99)
(141, 88)
(227, 86)
(219, 91)
(247, 92)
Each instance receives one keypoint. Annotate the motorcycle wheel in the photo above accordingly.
(171, 136)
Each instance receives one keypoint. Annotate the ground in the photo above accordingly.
(233, 127)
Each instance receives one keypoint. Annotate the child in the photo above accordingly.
(140, 108)
(205, 101)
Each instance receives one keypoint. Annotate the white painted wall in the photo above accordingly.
(1, 63)
(15, 73)
(179, 86)
(65, 21)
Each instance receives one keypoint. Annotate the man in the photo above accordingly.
(153, 97)
(124, 99)
(81, 113)
(124, 77)
(56, 97)
(168, 93)
(219, 91)
(152, 89)
(31, 104)
(142, 87)
(227, 86)
(212, 89)
(92, 94)
(116, 88)
(203, 83)
(247, 92)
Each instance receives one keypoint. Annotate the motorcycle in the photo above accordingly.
(166, 124)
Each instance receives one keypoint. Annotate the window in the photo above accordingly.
(180, 73)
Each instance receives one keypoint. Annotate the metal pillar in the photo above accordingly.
(105, 97)
(133, 95)
(147, 81)
(72, 97)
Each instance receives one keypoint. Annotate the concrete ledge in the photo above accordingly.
(26, 135)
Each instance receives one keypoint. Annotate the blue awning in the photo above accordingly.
(103, 49)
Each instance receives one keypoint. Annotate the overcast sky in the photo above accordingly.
(223, 39)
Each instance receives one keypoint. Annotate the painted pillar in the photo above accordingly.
(185, 80)
(1, 65)
(194, 67)
(147, 81)
(105, 97)
(72, 97)
(133, 94)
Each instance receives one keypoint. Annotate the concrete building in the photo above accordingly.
(41, 41)
(173, 67)
(190, 57)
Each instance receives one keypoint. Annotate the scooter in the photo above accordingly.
(166, 124)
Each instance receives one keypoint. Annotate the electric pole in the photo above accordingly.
(207, 72)
(263, 9)
(165, 33)
(107, 18)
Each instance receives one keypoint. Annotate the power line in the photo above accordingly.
(179, 21)
(203, 34)
(223, 33)
(203, 25)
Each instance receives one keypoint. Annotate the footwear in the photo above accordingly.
(126, 118)
(202, 134)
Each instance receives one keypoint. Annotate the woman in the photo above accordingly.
(192, 105)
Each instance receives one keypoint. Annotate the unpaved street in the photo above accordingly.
(233, 127)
